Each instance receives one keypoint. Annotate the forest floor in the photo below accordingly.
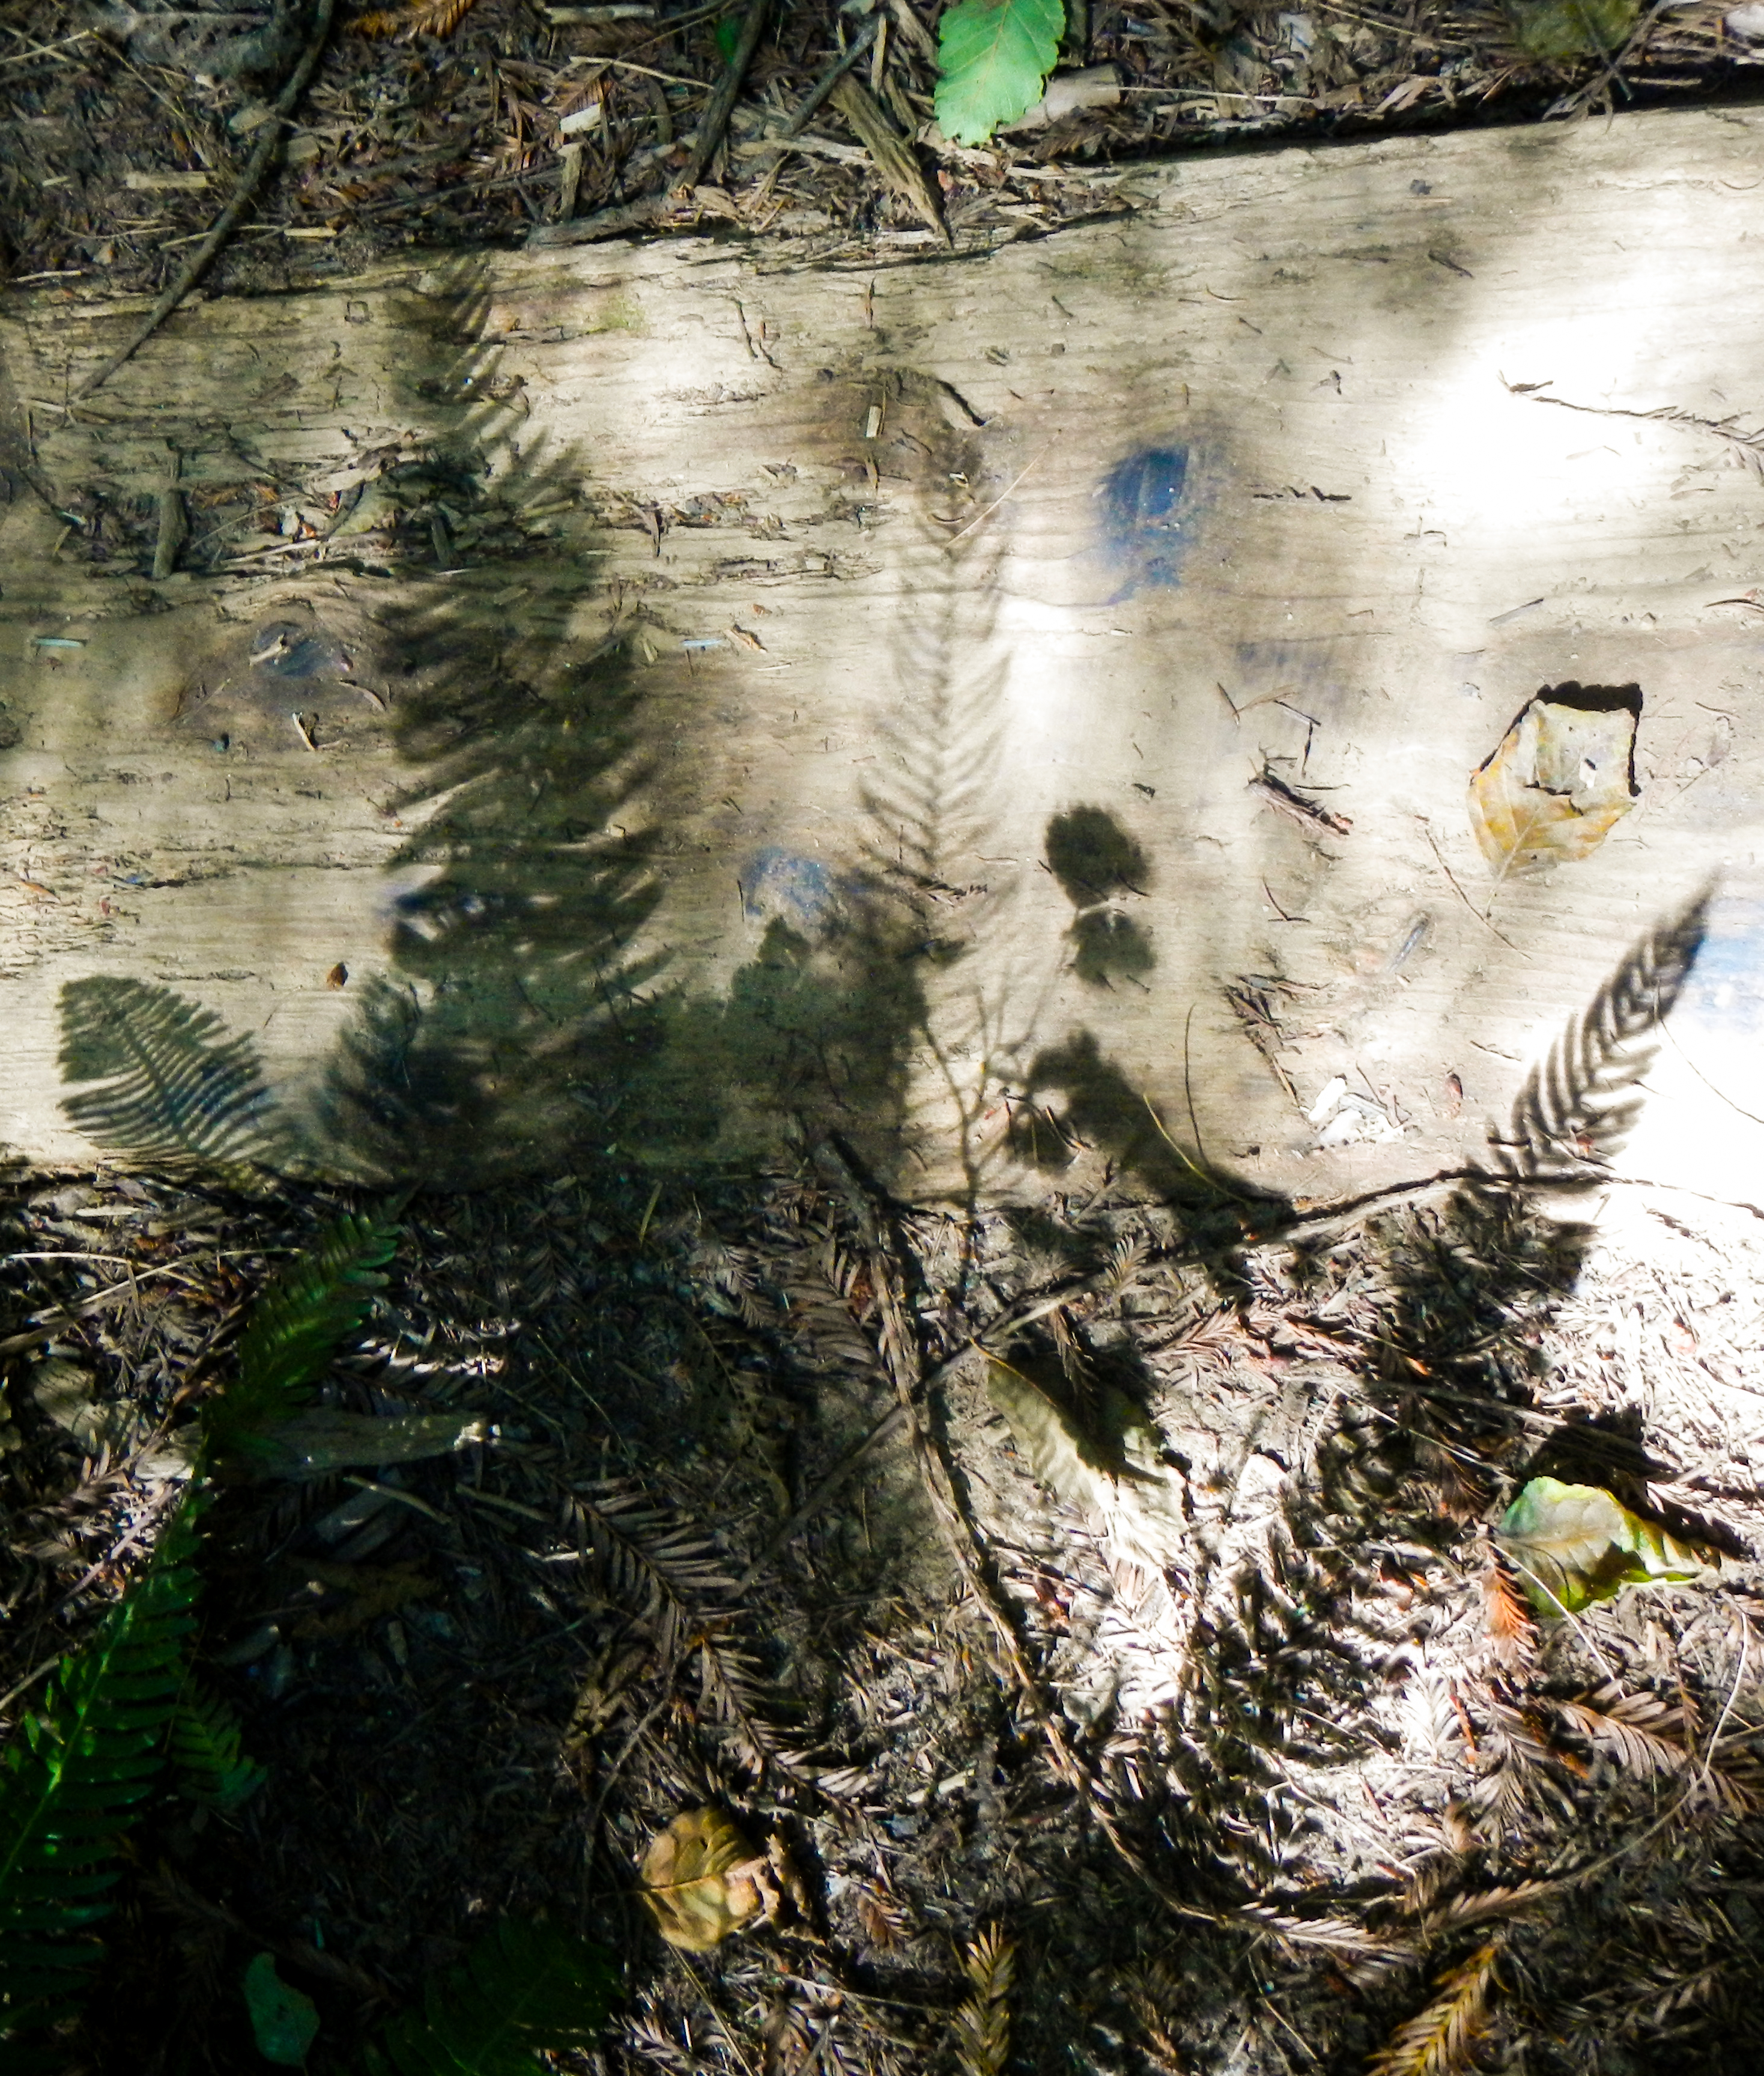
(1241, 1743)
(123, 131)
(1091, 1604)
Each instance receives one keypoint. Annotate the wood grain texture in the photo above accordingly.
(852, 714)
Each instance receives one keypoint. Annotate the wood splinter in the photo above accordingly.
(1276, 794)
(173, 526)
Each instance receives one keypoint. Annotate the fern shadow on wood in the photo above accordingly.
(160, 1081)
(510, 1001)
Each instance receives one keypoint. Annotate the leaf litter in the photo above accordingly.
(1231, 1734)
(1279, 1705)
(450, 125)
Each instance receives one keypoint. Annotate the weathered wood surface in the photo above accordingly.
(834, 690)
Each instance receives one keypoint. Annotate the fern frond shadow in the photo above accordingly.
(168, 1084)
(1579, 1104)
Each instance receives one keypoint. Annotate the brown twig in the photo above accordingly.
(1309, 814)
(824, 85)
(256, 167)
(722, 102)
(1451, 880)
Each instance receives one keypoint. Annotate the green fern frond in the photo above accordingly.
(170, 1084)
(524, 1991)
(75, 1779)
(294, 1330)
(206, 1752)
(73, 1782)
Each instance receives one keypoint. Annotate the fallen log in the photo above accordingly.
(660, 697)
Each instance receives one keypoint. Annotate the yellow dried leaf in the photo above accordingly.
(1559, 782)
(699, 1880)
(1116, 1475)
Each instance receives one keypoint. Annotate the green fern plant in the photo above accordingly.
(293, 1331)
(206, 1749)
(993, 59)
(78, 1777)
(523, 1991)
(76, 1780)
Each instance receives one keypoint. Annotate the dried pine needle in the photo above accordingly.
(439, 17)
(1438, 2041)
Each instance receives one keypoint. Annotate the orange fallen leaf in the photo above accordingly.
(699, 1880)
(1560, 780)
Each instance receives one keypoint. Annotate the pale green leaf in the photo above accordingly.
(1559, 31)
(284, 2021)
(992, 57)
(1116, 1474)
(313, 1444)
(1574, 1544)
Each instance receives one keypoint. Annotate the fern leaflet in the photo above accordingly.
(74, 1780)
(294, 1330)
(206, 1754)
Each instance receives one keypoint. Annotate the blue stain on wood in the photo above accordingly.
(1149, 509)
(1726, 990)
(784, 883)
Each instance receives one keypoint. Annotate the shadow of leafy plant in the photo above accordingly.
(162, 1080)
(509, 1001)
(1096, 861)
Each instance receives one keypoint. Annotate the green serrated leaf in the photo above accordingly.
(1572, 1545)
(284, 2021)
(993, 59)
(523, 1991)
